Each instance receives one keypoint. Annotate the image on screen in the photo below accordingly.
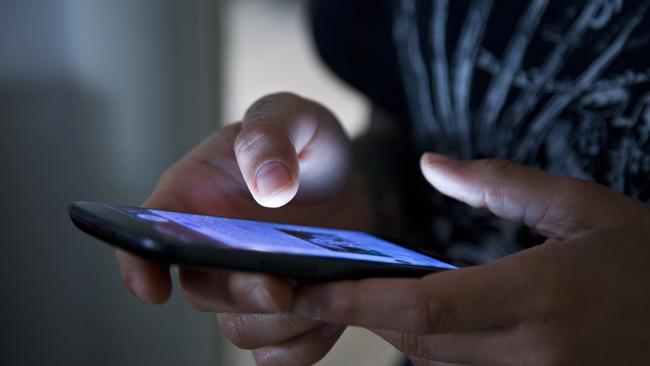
(332, 242)
(289, 239)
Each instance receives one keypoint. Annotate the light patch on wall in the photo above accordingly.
(268, 49)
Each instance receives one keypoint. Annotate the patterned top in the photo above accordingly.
(562, 86)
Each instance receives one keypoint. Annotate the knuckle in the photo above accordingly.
(237, 330)
(196, 302)
(493, 196)
(203, 290)
(551, 302)
(348, 305)
(341, 308)
(252, 134)
(340, 304)
(550, 305)
(497, 166)
(549, 311)
(297, 353)
(433, 314)
(536, 345)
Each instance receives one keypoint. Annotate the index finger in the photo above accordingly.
(286, 140)
(473, 298)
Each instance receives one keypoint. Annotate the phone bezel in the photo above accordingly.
(141, 238)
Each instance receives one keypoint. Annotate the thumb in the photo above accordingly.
(286, 140)
(557, 207)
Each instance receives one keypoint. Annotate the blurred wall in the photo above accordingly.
(96, 99)
(269, 49)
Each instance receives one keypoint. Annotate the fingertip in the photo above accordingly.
(275, 186)
(149, 281)
(268, 161)
(279, 199)
(429, 158)
(433, 167)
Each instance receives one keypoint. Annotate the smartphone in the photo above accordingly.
(192, 240)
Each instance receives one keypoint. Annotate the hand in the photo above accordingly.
(247, 170)
(581, 298)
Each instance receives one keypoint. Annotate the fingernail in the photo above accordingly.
(307, 308)
(438, 158)
(271, 177)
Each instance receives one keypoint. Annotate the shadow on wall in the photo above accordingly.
(64, 138)
(63, 302)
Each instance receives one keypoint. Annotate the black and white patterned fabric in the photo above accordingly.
(562, 86)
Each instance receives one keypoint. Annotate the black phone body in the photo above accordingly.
(192, 240)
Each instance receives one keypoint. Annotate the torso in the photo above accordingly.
(562, 86)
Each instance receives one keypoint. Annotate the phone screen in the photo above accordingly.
(283, 238)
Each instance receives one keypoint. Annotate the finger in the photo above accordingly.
(237, 292)
(150, 281)
(147, 280)
(472, 298)
(305, 349)
(557, 207)
(498, 346)
(250, 331)
(285, 139)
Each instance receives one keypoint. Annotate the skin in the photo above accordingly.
(580, 298)
(253, 169)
